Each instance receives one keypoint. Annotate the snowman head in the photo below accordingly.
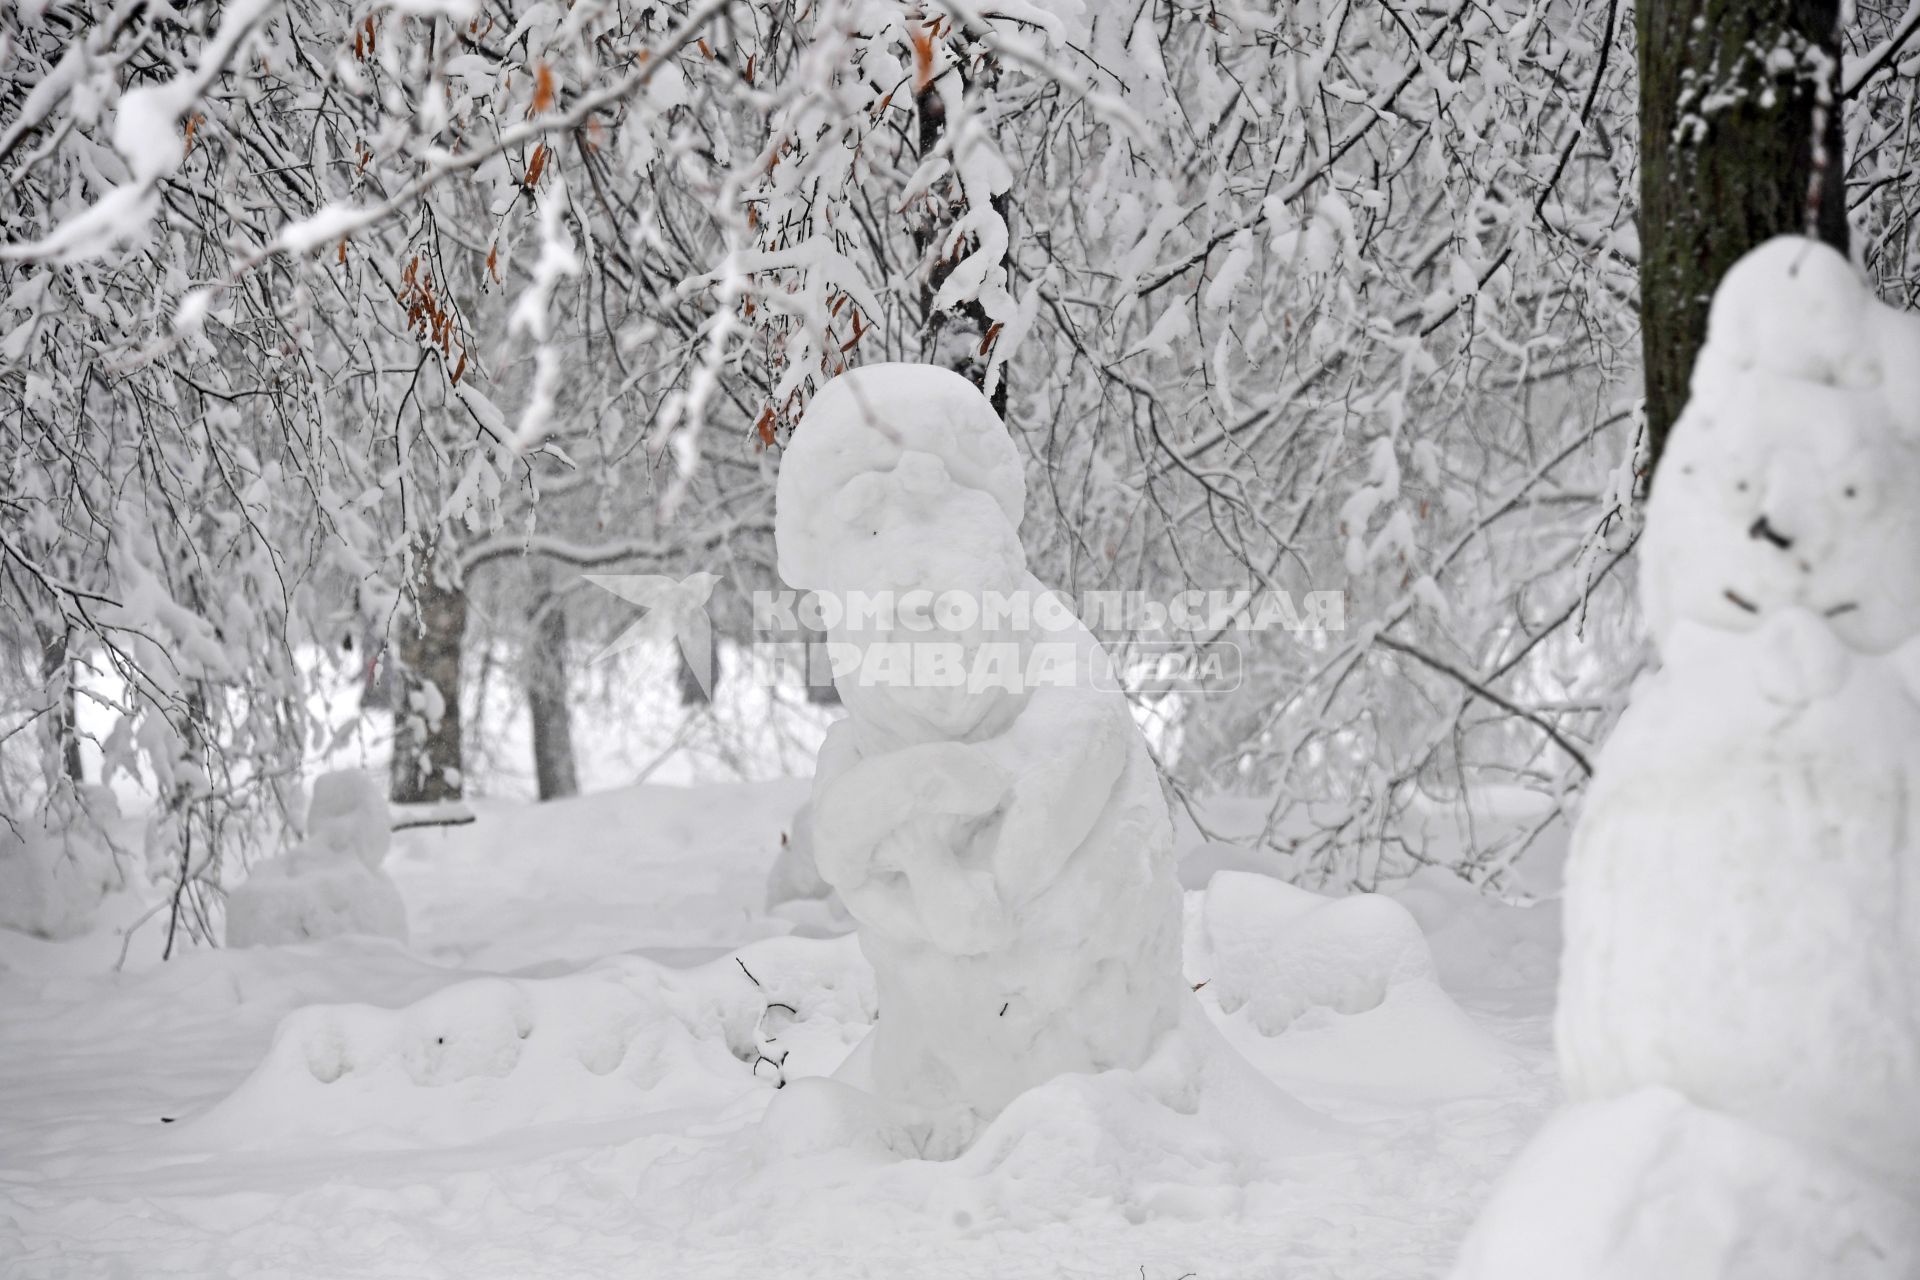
(348, 816)
(1780, 493)
(1794, 308)
(901, 483)
(891, 465)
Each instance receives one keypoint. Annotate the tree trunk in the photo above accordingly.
(1719, 180)
(548, 707)
(426, 724)
(963, 337)
(57, 666)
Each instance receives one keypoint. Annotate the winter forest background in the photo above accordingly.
(339, 342)
(329, 327)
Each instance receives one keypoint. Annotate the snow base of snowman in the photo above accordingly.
(299, 898)
(1193, 1080)
(1648, 1185)
(1289, 985)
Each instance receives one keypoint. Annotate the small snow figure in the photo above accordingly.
(329, 883)
(1743, 896)
(56, 868)
(1004, 848)
(795, 890)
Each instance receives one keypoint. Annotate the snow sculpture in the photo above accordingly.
(329, 883)
(1005, 850)
(55, 869)
(795, 890)
(1743, 896)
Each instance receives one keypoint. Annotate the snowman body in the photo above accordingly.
(1743, 902)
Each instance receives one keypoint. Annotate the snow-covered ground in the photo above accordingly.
(569, 1073)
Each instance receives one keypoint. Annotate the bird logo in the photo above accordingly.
(675, 606)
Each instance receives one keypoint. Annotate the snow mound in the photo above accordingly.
(57, 868)
(298, 898)
(1180, 1136)
(492, 1055)
(1278, 951)
(328, 884)
(1339, 989)
(1648, 1186)
(1479, 942)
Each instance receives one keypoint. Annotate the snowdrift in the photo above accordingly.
(1649, 1185)
(490, 1055)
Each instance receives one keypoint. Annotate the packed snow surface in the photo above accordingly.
(650, 1092)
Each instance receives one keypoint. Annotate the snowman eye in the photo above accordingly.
(1741, 486)
(1851, 491)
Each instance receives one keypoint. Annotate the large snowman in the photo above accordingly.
(1004, 848)
(1739, 1013)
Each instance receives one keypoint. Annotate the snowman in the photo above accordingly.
(1739, 1007)
(1003, 846)
(331, 882)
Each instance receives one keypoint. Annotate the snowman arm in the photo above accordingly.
(1066, 753)
(875, 796)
